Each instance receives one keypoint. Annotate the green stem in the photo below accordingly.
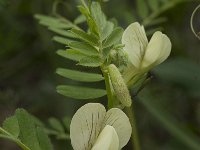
(7, 135)
(134, 137)
(108, 89)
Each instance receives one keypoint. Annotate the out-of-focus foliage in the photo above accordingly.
(28, 62)
(22, 129)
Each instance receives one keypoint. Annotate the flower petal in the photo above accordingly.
(135, 41)
(107, 140)
(117, 118)
(166, 50)
(157, 50)
(86, 125)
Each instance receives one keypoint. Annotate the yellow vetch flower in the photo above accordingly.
(92, 128)
(143, 55)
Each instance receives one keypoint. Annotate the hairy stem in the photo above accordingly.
(134, 137)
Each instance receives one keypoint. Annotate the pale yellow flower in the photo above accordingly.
(92, 128)
(143, 55)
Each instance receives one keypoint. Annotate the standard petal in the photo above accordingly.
(107, 140)
(117, 118)
(86, 125)
(153, 50)
(135, 41)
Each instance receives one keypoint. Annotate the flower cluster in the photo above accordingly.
(143, 55)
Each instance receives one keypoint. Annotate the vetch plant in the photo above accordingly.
(123, 58)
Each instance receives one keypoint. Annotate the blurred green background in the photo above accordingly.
(167, 110)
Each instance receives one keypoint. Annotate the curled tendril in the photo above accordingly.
(191, 22)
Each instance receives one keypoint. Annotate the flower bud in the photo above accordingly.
(119, 86)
